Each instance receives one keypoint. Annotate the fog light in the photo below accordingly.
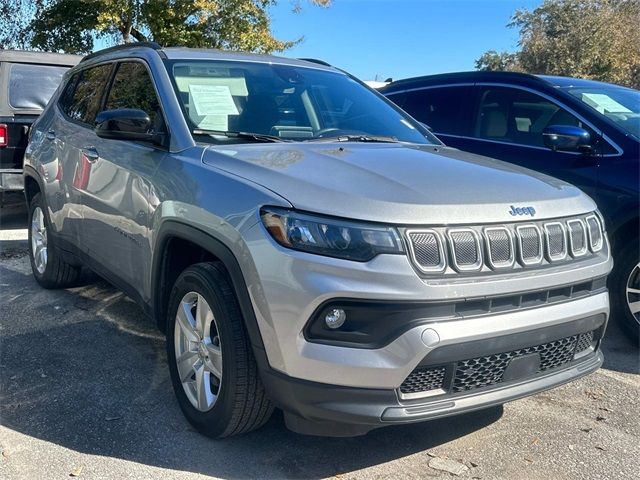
(335, 318)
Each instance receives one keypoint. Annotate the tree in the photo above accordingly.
(72, 25)
(493, 60)
(597, 39)
(14, 20)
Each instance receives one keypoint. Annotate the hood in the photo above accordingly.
(396, 183)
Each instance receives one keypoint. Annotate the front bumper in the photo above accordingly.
(327, 410)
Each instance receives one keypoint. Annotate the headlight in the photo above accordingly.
(330, 237)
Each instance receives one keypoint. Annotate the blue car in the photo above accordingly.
(581, 131)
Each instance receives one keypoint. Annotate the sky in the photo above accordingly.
(399, 38)
(377, 39)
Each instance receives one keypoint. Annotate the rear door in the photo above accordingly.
(66, 136)
(445, 110)
(116, 193)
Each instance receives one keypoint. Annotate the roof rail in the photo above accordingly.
(315, 60)
(153, 45)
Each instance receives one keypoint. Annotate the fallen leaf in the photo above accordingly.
(446, 465)
(600, 418)
(110, 419)
(605, 409)
(598, 447)
(528, 460)
(473, 464)
(76, 472)
(535, 440)
(586, 430)
(572, 447)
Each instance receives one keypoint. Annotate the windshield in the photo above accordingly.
(620, 104)
(287, 103)
(31, 86)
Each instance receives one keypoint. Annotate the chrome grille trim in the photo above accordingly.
(480, 249)
(551, 238)
(440, 267)
(490, 249)
(457, 262)
(595, 230)
(524, 259)
(577, 227)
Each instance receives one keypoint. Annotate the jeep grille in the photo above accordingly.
(508, 246)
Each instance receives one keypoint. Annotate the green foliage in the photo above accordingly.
(72, 25)
(493, 61)
(597, 39)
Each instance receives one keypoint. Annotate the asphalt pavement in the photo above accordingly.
(85, 392)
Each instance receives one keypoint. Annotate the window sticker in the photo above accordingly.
(604, 103)
(214, 122)
(237, 85)
(212, 100)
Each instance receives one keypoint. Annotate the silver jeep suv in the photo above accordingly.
(307, 245)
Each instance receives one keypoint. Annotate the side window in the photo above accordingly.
(133, 88)
(443, 109)
(87, 94)
(66, 97)
(517, 116)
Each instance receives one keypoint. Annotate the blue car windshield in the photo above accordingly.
(620, 104)
(288, 103)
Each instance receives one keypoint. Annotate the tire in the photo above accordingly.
(49, 268)
(626, 274)
(240, 404)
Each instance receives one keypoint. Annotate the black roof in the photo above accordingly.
(485, 76)
(124, 46)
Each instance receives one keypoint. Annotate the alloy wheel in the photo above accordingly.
(633, 292)
(198, 351)
(39, 240)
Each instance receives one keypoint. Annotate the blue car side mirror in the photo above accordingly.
(567, 138)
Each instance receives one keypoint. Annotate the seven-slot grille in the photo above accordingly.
(472, 249)
(488, 370)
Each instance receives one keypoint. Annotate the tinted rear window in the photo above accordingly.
(31, 86)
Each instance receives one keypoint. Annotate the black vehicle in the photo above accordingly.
(27, 81)
(581, 131)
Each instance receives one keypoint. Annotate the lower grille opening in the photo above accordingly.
(423, 380)
(488, 370)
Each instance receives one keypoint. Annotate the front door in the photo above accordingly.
(508, 125)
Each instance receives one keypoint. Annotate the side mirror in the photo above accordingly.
(125, 124)
(567, 138)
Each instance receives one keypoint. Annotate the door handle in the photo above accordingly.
(50, 135)
(91, 154)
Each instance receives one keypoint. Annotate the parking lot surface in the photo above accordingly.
(85, 392)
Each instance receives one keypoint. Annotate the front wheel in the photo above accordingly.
(213, 371)
(625, 289)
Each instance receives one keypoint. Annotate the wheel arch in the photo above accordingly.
(32, 183)
(163, 276)
(627, 231)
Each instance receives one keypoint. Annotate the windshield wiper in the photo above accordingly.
(258, 137)
(356, 138)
